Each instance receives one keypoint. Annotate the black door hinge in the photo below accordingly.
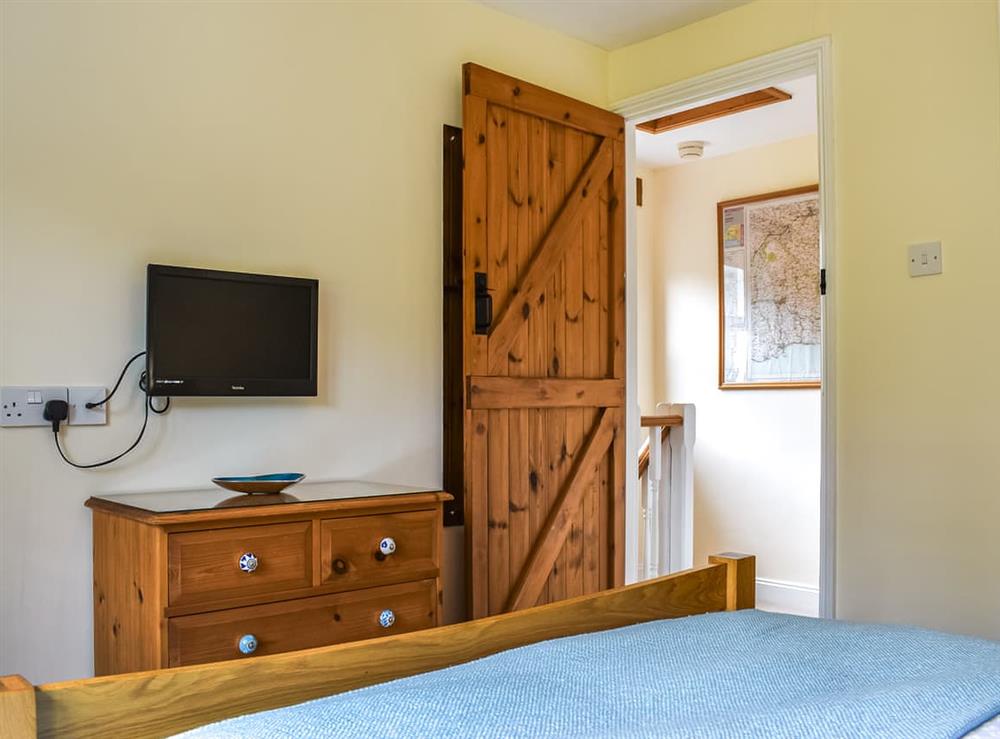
(822, 282)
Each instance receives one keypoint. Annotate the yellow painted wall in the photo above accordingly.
(305, 139)
(290, 138)
(917, 156)
(757, 453)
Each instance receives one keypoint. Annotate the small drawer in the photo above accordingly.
(373, 550)
(205, 566)
(301, 623)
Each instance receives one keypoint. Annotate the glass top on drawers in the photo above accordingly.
(175, 501)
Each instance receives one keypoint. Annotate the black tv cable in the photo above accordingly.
(57, 411)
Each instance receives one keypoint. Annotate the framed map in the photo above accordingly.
(769, 300)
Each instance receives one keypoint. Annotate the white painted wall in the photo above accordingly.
(289, 138)
(757, 455)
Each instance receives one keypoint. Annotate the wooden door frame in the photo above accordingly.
(812, 57)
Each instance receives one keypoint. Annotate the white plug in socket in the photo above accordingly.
(80, 414)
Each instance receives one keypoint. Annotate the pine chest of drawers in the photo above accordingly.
(184, 577)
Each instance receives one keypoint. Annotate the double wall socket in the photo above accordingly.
(25, 405)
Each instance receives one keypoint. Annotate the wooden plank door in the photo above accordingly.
(544, 224)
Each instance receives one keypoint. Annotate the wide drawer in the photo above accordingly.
(373, 550)
(214, 565)
(301, 623)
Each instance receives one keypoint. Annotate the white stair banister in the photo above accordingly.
(680, 522)
(666, 531)
(654, 475)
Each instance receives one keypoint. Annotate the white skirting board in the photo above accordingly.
(787, 597)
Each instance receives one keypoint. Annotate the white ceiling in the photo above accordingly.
(789, 119)
(611, 24)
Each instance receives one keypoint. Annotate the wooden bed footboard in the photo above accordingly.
(163, 702)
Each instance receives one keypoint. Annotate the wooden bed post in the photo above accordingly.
(17, 708)
(741, 579)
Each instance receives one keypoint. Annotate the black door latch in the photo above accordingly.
(484, 305)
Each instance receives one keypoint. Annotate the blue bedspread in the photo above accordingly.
(743, 674)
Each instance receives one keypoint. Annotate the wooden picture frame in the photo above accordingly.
(735, 243)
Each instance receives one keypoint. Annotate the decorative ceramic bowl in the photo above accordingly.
(259, 484)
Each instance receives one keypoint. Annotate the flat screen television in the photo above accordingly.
(228, 333)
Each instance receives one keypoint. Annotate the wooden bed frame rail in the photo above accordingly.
(163, 702)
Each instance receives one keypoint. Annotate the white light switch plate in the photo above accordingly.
(925, 259)
(24, 405)
(79, 414)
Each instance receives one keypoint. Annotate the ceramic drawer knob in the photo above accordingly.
(249, 562)
(387, 546)
(386, 619)
(248, 644)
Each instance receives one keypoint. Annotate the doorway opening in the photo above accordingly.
(731, 315)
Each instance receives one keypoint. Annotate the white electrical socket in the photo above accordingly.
(24, 405)
(80, 414)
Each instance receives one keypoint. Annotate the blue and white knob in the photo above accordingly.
(248, 644)
(387, 546)
(386, 619)
(249, 562)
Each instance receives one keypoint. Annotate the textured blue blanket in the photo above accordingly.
(743, 674)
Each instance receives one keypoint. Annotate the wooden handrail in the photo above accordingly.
(643, 460)
(648, 421)
(664, 421)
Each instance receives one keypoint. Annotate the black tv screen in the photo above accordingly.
(229, 333)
